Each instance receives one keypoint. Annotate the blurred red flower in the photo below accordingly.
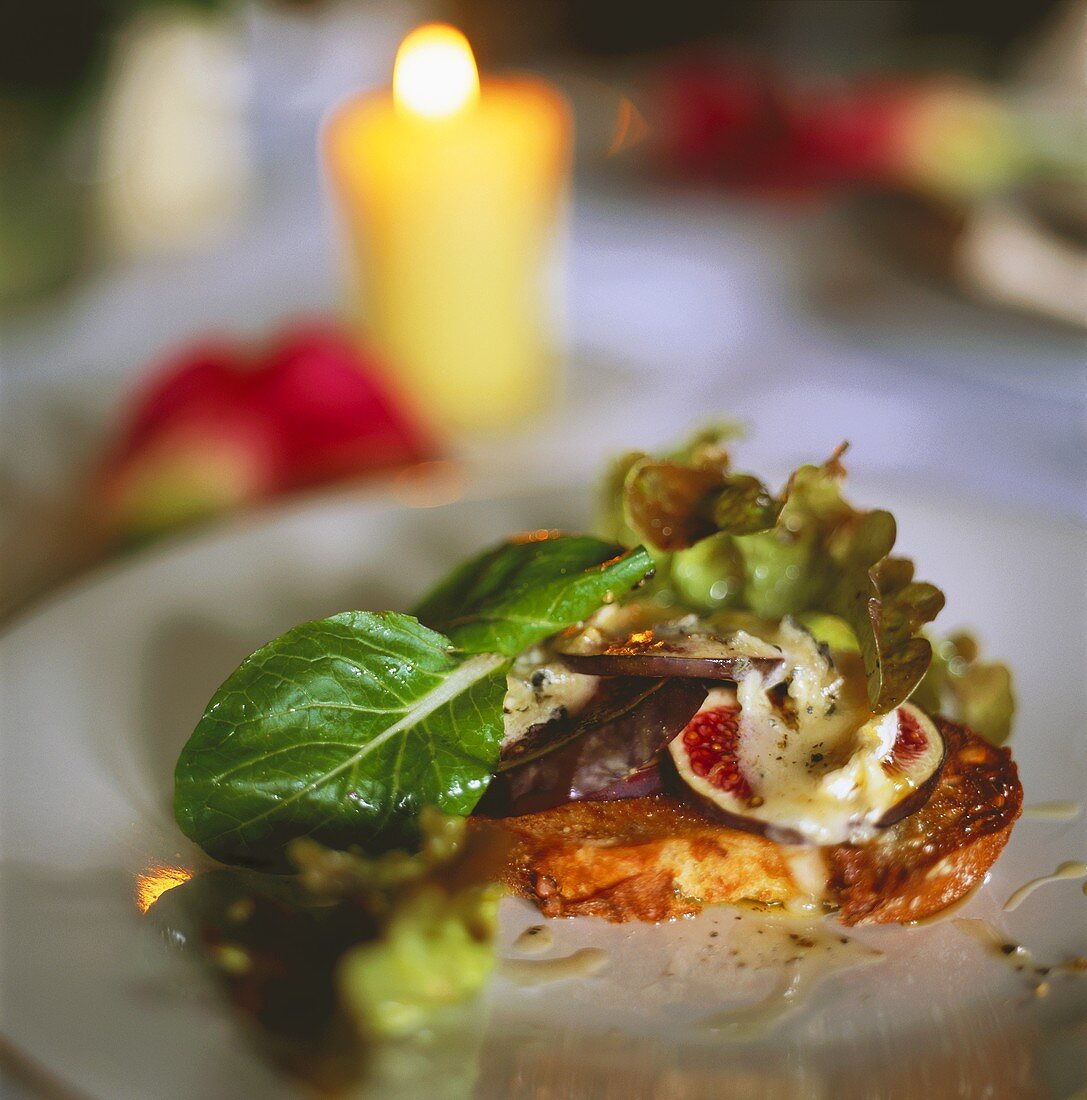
(743, 124)
(219, 426)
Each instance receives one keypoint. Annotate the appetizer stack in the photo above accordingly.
(728, 698)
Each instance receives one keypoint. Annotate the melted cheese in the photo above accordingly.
(540, 688)
(818, 765)
(810, 749)
(813, 753)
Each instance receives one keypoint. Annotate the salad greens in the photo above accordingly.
(342, 729)
(724, 541)
(972, 691)
(519, 593)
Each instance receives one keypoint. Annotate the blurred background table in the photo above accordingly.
(683, 303)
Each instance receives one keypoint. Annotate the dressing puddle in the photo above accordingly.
(804, 952)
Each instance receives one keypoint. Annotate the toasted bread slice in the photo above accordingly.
(640, 859)
(656, 858)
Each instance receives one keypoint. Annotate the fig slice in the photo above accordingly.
(706, 757)
(844, 798)
(607, 751)
(917, 756)
(695, 656)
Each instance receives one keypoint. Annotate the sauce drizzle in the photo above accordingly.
(803, 951)
(1018, 957)
(1072, 868)
(533, 972)
(1053, 811)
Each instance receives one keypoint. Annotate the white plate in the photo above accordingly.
(102, 686)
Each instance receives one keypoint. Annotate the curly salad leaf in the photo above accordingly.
(722, 540)
(685, 477)
(678, 500)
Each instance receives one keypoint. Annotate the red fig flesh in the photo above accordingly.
(711, 743)
(918, 756)
(843, 797)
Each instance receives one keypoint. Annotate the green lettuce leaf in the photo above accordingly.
(808, 551)
(972, 691)
(519, 593)
(673, 506)
(340, 729)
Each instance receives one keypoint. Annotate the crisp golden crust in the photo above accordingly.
(656, 858)
(933, 857)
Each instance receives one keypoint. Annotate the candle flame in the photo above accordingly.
(435, 72)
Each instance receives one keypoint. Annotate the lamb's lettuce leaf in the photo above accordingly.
(340, 729)
(520, 592)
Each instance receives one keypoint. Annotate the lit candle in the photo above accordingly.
(452, 192)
